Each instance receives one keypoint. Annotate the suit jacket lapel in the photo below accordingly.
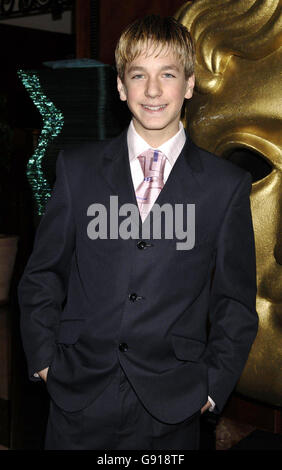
(116, 170)
(184, 182)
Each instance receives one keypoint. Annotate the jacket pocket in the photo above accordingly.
(187, 349)
(70, 330)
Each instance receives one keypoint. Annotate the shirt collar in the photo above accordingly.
(171, 148)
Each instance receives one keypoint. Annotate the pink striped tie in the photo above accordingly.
(152, 163)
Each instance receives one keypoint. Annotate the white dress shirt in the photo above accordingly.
(136, 145)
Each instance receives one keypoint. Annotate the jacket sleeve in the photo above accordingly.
(42, 288)
(233, 316)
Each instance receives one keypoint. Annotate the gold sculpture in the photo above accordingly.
(237, 109)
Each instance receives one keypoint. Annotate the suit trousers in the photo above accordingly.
(117, 420)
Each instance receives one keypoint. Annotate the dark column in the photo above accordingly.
(87, 28)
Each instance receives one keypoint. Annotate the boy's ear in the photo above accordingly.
(190, 87)
(121, 89)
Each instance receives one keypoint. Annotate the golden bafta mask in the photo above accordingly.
(236, 113)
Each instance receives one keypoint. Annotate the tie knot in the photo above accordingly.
(152, 163)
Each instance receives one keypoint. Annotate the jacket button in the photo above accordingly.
(141, 245)
(133, 297)
(123, 347)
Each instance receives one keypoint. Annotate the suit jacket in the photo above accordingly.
(186, 331)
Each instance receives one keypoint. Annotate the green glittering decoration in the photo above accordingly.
(53, 121)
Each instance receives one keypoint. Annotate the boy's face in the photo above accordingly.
(155, 88)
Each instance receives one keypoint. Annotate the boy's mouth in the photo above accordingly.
(154, 108)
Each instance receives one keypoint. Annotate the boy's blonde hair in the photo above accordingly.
(157, 34)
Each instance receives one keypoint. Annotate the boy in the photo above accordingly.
(117, 325)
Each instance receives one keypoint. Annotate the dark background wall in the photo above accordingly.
(99, 23)
(116, 15)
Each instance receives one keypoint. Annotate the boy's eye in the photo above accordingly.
(169, 75)
(137, 76)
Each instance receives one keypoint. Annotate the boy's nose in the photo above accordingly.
(153, 88)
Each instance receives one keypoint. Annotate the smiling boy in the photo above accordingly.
(155, 85)
(134, 338)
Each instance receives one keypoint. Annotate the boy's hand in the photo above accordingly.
(43, 374)
(206, 407)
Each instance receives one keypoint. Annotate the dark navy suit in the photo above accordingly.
(187, 330)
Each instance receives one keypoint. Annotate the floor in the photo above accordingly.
(5, 375)
(232, 435)
(5, 372)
